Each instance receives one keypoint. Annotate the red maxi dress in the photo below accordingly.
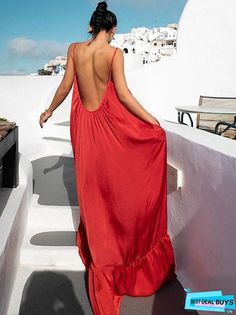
(121, 177)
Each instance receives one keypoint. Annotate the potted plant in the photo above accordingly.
(5, 127)
(9, 154)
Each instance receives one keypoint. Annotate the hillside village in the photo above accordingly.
(141, 46)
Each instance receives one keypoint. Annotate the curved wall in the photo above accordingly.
(205, 63)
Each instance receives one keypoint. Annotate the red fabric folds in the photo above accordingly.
(148, 273)
(121, 178)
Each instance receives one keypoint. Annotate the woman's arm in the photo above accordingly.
(123, 92)
(63, 89)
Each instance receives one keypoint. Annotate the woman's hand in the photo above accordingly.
(44, 117)
(156, 121)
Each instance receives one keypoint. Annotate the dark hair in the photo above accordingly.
(102, 19)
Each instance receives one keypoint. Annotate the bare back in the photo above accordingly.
(92, 68)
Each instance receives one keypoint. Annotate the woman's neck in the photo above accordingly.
(102, 36)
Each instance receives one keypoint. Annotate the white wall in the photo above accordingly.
(202, 216)
(12, 226)
(205, 62)
(23, 99)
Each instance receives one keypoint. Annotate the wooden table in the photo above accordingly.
(182, 110)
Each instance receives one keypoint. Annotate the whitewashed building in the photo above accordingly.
(142, 45)
(56, 66)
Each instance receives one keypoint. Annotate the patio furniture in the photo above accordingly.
(214, 114)
(9, 159)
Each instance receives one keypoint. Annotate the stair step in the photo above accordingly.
(50, 239)
(52, 217)
(52, 257)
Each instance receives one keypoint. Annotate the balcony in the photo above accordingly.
(40, 241)
(40, 268)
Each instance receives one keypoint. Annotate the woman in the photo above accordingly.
(121, 171)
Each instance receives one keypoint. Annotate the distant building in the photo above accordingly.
(56, 66)
(151, 44)
(173, 25)
(141, 46)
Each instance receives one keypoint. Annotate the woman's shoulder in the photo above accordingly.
(119, 50)
(114, 49)
(78, 43)
(106, 50)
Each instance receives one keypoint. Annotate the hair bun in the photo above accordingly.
(102, 6)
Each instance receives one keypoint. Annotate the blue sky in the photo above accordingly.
(33, 32)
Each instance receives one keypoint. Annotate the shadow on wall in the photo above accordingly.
(169, 300)
(65, 123)
(55, 238)
(54, 181)
(4, 196)
(210, 276)
(49, 293)
(66, 293)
